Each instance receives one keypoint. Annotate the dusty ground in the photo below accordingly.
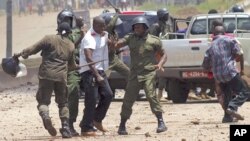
(193, 121)
(19, 119)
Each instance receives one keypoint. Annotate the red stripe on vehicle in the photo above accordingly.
(195, 41)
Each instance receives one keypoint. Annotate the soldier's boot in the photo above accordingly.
(122, 127)
(65, 131)
(72, 129)
(161, 125)
(48, 124)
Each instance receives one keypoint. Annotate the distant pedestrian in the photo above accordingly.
(124, 5)
(40, 5)
(22, 6)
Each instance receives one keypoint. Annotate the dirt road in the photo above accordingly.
(19, 118)
(193, 121)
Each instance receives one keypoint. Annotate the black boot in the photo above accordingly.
(161, 125)
(48, 124)
(65, 131)
(72, 129)
(122, 127)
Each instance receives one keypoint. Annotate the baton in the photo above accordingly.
(92, 63)
(111, 4)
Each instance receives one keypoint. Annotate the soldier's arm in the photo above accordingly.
(162, 55)
(111, 26)
(154, 29)
(122, 42)
(35, 48)
(83, 31)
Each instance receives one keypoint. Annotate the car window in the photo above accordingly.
(244, 23)
(126, 26)
(199, 27)
(229, 24)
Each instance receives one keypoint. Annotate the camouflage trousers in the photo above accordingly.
(132, 91)
(73, 94)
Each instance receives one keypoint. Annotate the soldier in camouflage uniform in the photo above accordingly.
(73, 76)
(161, 29)
(57, 53)
(114, 62)
(143, 47)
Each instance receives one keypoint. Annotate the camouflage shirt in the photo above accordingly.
(142, 53)
(161, 28)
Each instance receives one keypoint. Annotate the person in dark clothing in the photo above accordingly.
(57, 53)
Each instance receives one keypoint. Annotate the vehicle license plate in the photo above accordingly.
(194, 74)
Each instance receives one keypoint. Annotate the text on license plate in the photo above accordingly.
(194, 74)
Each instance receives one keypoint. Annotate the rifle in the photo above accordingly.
(117, 10)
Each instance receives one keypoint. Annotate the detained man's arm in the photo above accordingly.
(88, 55)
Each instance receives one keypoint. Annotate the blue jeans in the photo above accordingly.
(237, 87)
(94, 91)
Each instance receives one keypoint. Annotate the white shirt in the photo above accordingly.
(99, 44)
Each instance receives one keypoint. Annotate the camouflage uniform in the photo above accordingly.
(163, 28)
(74, 80)
(143, 73)
(114, 62)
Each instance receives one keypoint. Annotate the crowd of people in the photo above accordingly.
(41, 6)
(77, 59)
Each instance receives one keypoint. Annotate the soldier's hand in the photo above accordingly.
(16, 55)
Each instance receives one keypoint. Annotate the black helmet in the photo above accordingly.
(64, 28)
(13, 67)
(162, 12)
(63, 14)
(237, 8)
(140, 19)
(212, 11)
(107, 17)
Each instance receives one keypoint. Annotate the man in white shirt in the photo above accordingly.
(94, 47)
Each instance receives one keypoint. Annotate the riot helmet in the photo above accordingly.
(108, 17)
(66, 15)
(237, 8)
(64, 28)
(13, 67)
(162, 12)
(140, 20)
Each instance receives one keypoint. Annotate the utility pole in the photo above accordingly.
(9, 28)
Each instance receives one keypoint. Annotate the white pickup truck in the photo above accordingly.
(183, 67)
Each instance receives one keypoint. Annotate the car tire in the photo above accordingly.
(178, 91)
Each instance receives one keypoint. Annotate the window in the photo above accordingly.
(199, 27)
